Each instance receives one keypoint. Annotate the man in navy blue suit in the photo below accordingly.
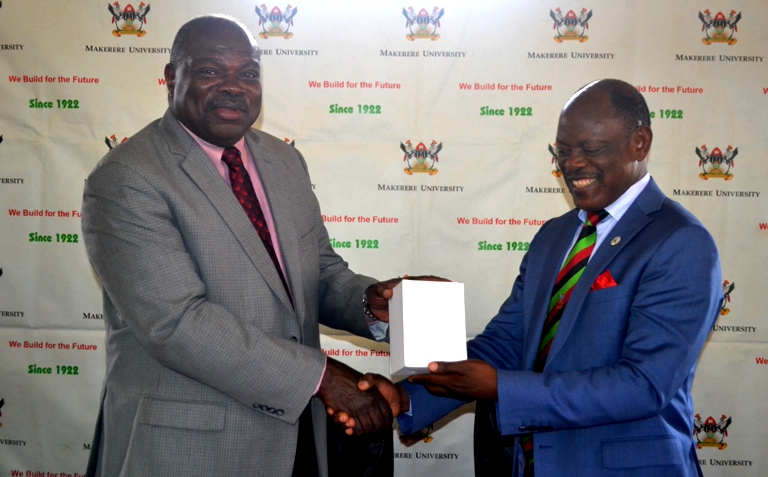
(610, 395)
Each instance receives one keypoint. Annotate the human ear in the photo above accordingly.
(170, 79)
(641, 142)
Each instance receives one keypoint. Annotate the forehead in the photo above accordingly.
(221, 40)
(588, 115)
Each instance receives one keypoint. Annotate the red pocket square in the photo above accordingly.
(604, 280)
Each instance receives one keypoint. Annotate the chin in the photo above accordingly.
(587, 204)
(231, 134)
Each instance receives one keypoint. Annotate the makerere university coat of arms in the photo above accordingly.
(276, 22)
(129, 21)
(571, 26)
(556, 171)
(719, 29)
(716, 164)
(711, 433)
(423, 25)
(421, 158)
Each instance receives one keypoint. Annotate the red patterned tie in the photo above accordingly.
(566, 280)
(244, 193)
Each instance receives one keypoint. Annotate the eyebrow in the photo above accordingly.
(217, 60)
(598, 142)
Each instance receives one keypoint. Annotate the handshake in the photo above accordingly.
(364, 404)
(371, 404)
(360, 404)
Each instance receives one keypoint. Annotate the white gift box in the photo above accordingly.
(426, 323)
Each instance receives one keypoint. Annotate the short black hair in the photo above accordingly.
(192, 27)
(628, 104)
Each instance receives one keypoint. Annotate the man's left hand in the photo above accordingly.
(467, 380)
(378, 294)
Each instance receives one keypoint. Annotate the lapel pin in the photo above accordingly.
(615, 241)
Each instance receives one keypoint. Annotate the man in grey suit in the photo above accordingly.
(216, 269)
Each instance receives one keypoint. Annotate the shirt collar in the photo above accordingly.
(211, 150)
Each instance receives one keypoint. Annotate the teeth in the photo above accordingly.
(583, 182)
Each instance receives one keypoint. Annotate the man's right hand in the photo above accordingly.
(395, 395)
(361, 411)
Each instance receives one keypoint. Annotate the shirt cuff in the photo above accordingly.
(322, 375)
(379, 330)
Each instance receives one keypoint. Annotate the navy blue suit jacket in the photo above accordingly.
(614, 398)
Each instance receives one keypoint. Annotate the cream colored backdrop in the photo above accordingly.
(68, 82)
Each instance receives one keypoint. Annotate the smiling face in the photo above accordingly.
(215, 89)
(599, 155)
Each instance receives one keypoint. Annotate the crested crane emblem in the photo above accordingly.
(275, 22)
(571, 26)
(719, 29)
(556, 171)
(727, 289)
(129, 20)
(112, 142)
(421, 158)
(423, 25)
(711, 433)
(716, 164)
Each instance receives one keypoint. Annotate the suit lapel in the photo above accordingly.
(544, 277)
(287, 236)
(201, 171)
(633, 221)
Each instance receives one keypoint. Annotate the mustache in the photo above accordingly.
(227, 101)
(575, 176)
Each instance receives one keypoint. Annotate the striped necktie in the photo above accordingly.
(566, 280)
(246, 195)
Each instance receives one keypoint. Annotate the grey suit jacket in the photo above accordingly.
(208, 364)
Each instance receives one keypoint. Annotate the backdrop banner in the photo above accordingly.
(428, 131)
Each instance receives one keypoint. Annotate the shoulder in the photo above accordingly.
(266, 140)
(151, 156)
(272, 143)
(672, 219)
(660, 220)
(277, 150)
(675, 235)
(141, 148)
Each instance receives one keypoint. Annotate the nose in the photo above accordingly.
(231, 84)
(572, 161)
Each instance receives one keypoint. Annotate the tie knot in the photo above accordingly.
(231, 157)
(595, 217)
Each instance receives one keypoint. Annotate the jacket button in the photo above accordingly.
(522, 428)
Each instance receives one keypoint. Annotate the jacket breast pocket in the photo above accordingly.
(196, 415)
(608, 294)
(644, 452)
